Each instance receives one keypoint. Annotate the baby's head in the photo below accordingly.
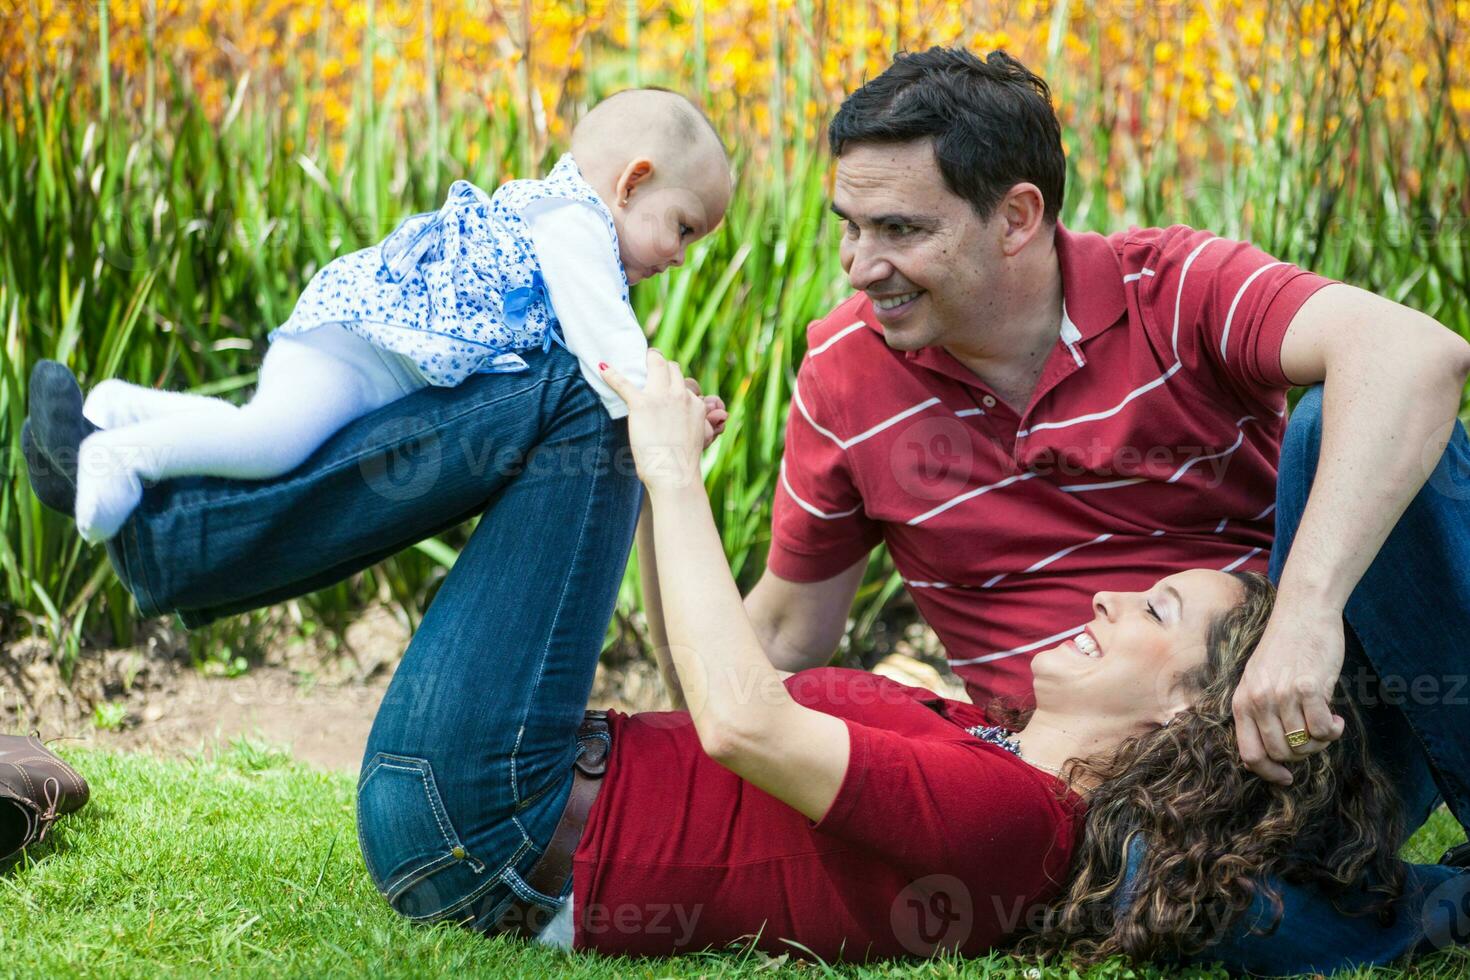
(660, 168)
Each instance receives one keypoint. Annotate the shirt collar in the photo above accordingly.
(1092, 284)
(1092, 281)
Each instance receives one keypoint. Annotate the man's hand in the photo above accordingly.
(1287, 686)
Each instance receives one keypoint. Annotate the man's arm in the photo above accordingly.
(799, 624)
(1393, 383)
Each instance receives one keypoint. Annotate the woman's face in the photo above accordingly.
(1128, 662)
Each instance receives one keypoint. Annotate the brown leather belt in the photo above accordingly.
(549, 876)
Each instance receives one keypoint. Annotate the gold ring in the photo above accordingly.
(1298, 738)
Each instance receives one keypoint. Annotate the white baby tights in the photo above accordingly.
(306, 392)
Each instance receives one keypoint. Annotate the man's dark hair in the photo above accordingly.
(991, 123)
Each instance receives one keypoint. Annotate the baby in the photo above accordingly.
(453, 293)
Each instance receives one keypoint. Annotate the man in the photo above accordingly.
(1025, 415)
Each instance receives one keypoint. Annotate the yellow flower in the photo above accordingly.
(1251, 29)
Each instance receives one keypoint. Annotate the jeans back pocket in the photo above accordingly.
(412, 852)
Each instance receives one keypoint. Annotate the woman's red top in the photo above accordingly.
(936, 839)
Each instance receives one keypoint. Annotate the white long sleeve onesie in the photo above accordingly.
(586, 285)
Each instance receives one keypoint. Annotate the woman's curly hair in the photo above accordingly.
(1215, 835)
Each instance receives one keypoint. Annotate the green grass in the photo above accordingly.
(241, 861)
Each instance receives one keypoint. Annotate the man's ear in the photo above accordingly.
(1024, 211)
(634, 174)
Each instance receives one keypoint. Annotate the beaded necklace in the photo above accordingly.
(1006, 739)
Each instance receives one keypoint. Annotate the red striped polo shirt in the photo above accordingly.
(1149, 446)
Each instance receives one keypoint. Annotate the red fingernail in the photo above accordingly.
(602, 365)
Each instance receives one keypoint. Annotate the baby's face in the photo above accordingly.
(667, 214)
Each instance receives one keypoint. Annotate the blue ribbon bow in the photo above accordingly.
(517, 303)
(404, 249)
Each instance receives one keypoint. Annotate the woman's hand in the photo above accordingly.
(668, 424)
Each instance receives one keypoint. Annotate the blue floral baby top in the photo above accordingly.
(456, 291)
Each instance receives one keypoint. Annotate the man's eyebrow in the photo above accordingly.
(885, 219)
(1177, 598)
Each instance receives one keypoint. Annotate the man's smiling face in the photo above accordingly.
(919, 250)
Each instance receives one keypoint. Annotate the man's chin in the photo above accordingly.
(905, 336)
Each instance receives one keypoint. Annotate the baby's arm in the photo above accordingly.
(585, 285)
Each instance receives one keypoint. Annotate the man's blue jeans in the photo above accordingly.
(1407, 666)
(469, 763)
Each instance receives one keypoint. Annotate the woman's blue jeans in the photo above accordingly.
(1407, 667)
(464, 780)
(469, 763)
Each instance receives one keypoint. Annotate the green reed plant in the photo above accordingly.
(163, 248)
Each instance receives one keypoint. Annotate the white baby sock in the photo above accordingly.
(108, 487)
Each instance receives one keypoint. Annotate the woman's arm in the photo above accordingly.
(653, 608)
(745, 718)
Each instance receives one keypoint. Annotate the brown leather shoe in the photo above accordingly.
(36, 787)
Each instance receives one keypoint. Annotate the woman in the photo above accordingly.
(831, 811)
(466, 788)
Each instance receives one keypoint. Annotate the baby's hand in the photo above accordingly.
(715, 415)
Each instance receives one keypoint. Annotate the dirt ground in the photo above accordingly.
(319, 705)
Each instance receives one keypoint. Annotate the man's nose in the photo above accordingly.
(868, 267)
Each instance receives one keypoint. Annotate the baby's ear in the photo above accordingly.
(635, 173)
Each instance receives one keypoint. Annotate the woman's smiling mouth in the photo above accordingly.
(1086, 645)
